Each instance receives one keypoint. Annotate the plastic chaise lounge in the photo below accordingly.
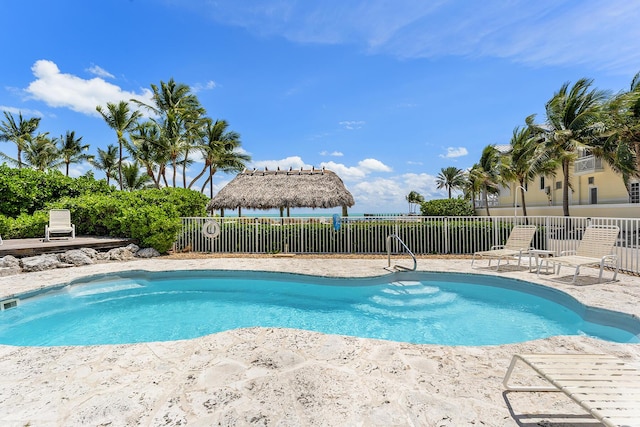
(518, 244)
(605, 386)
(59, 223)
(595, 248)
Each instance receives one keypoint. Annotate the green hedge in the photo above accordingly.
(25, 191)
(447, 207)
(151, 216)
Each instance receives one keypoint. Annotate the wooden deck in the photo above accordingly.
(30, 247)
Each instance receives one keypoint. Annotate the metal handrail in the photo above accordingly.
(399, 267)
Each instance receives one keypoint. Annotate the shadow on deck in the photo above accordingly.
(30, 247)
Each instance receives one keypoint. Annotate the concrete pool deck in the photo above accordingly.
(285, 377)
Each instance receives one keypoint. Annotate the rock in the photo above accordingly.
(9, 261)
(120, 254)
(147, 253)
(102, 256)
(90, 252)
(40, 263)
(133, 248)
(76, 257)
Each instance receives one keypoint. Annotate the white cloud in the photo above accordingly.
(453, 152)
(199, 87)
(378, 195)
(373, 165)
(68, 91)
(26, 113)
(294, 162)
(100, 72)
(333, 154)
(347, 173)
(602, 34)
(352, 124)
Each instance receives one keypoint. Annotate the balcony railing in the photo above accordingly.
(588, 164)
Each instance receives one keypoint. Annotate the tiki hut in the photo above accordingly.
(283, 189)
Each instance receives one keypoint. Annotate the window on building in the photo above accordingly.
(591, 180)
(593, 196)
(558, 185)
(634, 192)
(542, 182)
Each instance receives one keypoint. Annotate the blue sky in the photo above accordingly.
(384, 93)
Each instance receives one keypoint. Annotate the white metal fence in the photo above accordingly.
(367, 235)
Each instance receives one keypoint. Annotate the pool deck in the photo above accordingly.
(285, 377)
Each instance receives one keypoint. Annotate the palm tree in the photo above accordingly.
(122, 120)
(71, 150)
(21, 133)
(107, 160)
(621, 145)
(219, 149)
(525, 160)
(146, 148)
(41, 153)
(485, 173)
(414, 198)
(134, 177)
(450, 178)
(573, 122)
(472, 186)
(180, 120)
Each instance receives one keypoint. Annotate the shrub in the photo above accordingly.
(25, 191)
(150, 216)
(24, 226)
(447, 207)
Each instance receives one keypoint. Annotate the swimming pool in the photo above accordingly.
(415, 307)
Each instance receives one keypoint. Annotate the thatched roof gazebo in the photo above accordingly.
(283, 189)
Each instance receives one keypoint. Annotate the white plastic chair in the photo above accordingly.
(59, 223)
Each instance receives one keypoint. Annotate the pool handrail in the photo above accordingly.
(399, 267)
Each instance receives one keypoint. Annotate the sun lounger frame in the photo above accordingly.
(605, 386)
(595, 248)
(518, 244)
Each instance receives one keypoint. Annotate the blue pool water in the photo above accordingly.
(437, 308)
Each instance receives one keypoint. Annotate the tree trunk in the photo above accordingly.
(565, 189)
(120, 164)
(204, 169)
(524, 204)
(485, 196)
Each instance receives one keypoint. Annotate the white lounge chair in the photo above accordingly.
(518, 244)
(605, 386)
(59, 223)
(595, 248)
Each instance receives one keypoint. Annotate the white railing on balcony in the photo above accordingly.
(588, 164)
(368, 235)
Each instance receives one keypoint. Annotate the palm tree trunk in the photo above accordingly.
(212, 172)
(524, 204)
(565, 189)
(184, 171)
(120, 164)
(175, 171)
(485, 196)
(204, 169)
(204, 184)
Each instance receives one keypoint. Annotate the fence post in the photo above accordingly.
(446, 236)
